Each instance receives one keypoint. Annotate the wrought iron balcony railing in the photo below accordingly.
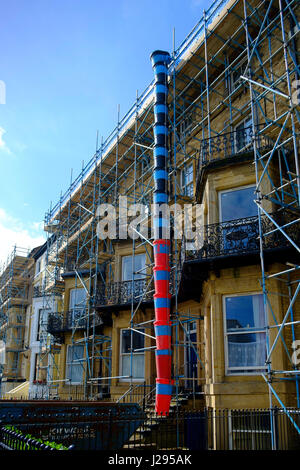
(241, 237)
(73, 319)
(230, 144)
(119, 293)
(122, 293)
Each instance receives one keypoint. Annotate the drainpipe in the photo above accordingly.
(162, 296)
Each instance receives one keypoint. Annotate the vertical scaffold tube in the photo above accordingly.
(162, 297)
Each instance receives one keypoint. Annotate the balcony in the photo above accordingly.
(124, 292)
(240, 237)
(59, 322)
(234, 244)
(229, 148)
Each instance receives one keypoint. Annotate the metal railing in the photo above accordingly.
(206, 429)
(143, 394)
(119, 293)
(123, 292)
(229, 144)
(14, 440)
(65, 321)
(241, 236)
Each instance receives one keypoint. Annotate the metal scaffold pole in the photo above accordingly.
(280, 193)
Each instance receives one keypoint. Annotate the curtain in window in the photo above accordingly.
(258, 311)
(138, 366)
(247, 348)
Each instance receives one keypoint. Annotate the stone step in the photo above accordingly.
(151, 424)
(144, 430)
(142, 445)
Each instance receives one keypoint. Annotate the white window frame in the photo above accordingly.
(183, 184)
(230, 372)
(142, 353)
(230, 191)
(69, 364)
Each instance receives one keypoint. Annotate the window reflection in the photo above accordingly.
(237, 204)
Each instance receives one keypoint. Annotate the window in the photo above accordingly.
(293, 31)
(235, 80)
(2, 352)
(237, 204)
(187, 180)
(191, 358)
(238, 232)
(77, 304)
(245, 338)
(38, 267)
(186, 125)
(15, 362)
(42, 324)
(132, 360)
(243, 134)
(250, 430)
(133, 267)
(75, 358)
(19, 336)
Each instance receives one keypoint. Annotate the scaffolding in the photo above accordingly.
(15, 278)
(238, 65)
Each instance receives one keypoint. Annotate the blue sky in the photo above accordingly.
(67, 65)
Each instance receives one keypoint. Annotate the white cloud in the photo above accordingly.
(13, 232)
(3, 145)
